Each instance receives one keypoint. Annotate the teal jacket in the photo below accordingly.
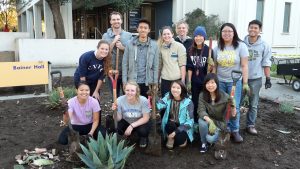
(186, 116)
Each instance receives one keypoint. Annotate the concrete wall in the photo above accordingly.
(181, 7)
(60, 52)
(8, 40)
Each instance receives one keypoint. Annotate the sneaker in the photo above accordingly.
(170, 142)
(203, 148)
(143, 142)
(237, 137)
(252, 130)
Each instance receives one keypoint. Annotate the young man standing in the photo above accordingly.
(117, 38)
(141, 59)
(182, 29)
(259, 62)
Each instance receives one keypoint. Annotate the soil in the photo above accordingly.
(28, 123)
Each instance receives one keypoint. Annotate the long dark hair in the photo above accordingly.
(183, 93)
(206, 94)
(235, 40)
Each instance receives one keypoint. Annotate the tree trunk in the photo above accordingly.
(57, 19)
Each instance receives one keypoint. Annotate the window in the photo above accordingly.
(260, 10)
(287, 15)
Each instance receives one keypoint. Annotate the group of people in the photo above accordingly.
(190, 93)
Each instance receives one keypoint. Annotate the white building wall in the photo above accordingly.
(60, 52)
(181, 7)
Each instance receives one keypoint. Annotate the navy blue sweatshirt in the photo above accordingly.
(197, 60)
(89, 67)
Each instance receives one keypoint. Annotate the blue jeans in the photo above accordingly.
(233, 125)
(204, 136)
(255, 85)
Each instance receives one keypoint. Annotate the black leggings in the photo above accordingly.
(196, 89)
(180, 136)
(82, 129)
(142, 130)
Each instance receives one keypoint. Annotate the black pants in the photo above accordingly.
(196, 89)
(180, 137)
(143, 89)
(142, 130)
(82, 129)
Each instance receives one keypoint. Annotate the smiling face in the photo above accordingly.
(115, 21)
(167, 36)
(182, 30)
(199, 40)
(130, 92)
(143, 30)
(176, 91)
(211, 86)
(102, 51)
(254, 30)
(83, 91)
(227, 34)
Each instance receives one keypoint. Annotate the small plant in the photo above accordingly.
(286, 107)
(54, 100)
(105, 153)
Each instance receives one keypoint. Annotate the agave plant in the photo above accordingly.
(105, 153)
(54, 100)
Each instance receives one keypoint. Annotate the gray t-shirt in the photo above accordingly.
(229, 59)
(142, 49)
(132, 112)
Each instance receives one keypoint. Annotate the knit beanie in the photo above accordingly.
(200, 30)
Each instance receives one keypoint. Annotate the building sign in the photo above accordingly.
(23, 73)
(134, 17)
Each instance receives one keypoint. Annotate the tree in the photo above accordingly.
(8, 15)
(126, 5)
(198, 17)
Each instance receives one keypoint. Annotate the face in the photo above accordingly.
(227, 34)
(102, 51)
(253, 30)
(167, 35)
(176, 90)
(83, 91)
(143, 30)
(199, 39)
(130, 91)
(115, 21)
(211, 86)
(182, 30)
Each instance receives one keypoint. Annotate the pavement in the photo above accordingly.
(278, 93)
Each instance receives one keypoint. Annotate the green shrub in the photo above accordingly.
(105, 153)
(54, 100)
(286, 107)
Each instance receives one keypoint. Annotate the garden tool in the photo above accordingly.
(154, 144)
(113, 75)
(222, 146)
(210, 61)
(244, 106)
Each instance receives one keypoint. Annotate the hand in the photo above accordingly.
(233, 111)
(117, 38)
(119, 45)
(189, 87)
(268, 83)
(114, 106)
(210, 61)
(246, 89)
(90, 135)
(96, 95)
(128, 130)
(211, 127)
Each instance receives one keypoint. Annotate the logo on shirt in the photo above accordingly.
(226, 58)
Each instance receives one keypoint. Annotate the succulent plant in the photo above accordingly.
(286, 107)
(105, 153)
(54, 100)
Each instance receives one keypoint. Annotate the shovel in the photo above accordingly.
(154, 144)
(210, 66)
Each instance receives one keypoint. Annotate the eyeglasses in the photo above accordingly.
(227, 31)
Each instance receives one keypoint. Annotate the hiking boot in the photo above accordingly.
(170, 143)
(252, 130)
(143, 142)
(237, 138)
(203, 148)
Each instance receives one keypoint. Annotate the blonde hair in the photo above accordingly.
(137, 96)
(182, 22)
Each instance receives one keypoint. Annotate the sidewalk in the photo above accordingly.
(280, 93)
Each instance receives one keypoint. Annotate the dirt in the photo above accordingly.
(28, 123)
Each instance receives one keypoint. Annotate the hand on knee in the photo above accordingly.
(184, 144)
